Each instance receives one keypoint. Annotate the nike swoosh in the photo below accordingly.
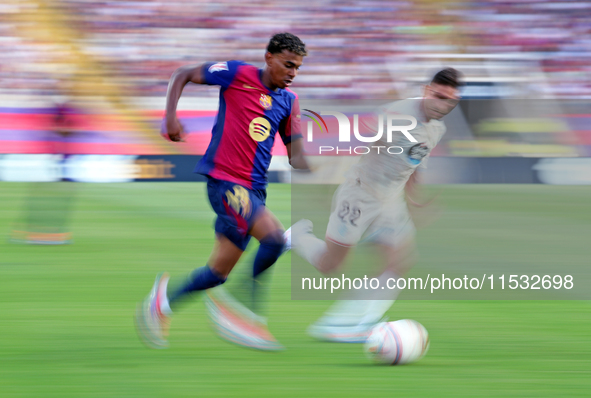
(247, 86)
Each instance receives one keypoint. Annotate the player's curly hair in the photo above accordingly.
(286, 41)
(448, 77)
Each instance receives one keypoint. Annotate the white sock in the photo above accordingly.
(310, 248)
(363, 306)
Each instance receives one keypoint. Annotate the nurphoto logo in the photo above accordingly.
(344, 123)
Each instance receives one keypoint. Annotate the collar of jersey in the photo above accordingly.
(277, 92)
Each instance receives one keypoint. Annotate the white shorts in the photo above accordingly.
(357, 214)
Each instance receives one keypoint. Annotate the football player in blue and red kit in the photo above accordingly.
(254, 105)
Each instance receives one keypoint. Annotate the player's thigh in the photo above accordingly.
(224, 256)
(236, 207)
(394, 233)
(266, 224)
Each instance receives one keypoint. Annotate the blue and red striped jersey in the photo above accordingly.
(249, 116)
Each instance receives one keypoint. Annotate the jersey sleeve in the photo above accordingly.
(290, 128)
(424, 162)
(221, 73)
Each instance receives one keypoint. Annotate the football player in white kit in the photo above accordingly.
(371, 205)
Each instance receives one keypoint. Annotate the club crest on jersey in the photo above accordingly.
(266, 101)
(417, 152)
(220, 66)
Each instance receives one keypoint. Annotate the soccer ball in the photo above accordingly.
(397, 343)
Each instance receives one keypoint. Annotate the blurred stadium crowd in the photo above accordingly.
(112, 60)
(358, 49)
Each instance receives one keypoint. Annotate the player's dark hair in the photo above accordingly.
(447, 77)
(286, 41)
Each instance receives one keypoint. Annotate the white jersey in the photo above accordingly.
(385, 174)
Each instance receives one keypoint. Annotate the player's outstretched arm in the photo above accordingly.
(412, 190)
(295, 153)
(412, 185)
(178, 81)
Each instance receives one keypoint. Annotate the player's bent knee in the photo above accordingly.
(274, 242)
(271, 247)
(222, 272)
(329, 264)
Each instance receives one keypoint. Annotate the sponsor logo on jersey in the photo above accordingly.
(266, 101)
(259, 129)
(251, 87)
(220, 66)
(417, 152)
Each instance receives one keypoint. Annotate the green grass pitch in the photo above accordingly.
(66, 313)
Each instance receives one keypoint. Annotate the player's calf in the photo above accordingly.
(200, 279)
(324, 256)
(271, 247)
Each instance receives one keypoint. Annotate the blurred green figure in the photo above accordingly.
(48, 207)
